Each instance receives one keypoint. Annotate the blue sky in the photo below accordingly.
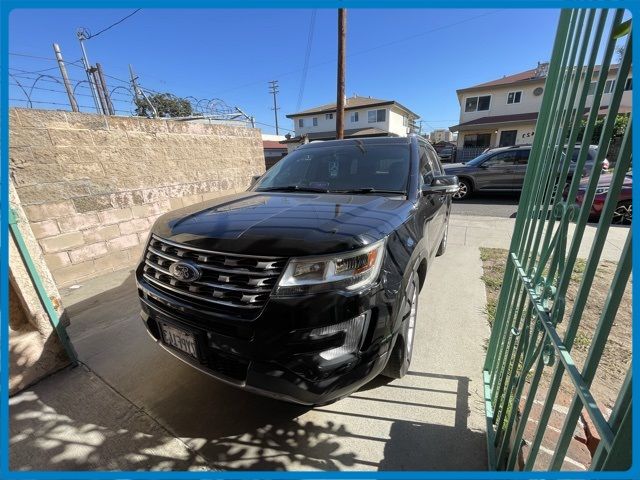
(417, 57)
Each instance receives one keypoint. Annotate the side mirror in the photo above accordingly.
(254, 179)
(442, 185)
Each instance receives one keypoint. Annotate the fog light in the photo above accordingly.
(354, 336)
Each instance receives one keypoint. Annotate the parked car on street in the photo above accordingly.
(446, 154)
(503, 170)
(623, 212)
(306, 286)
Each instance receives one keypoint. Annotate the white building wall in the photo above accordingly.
(393, 121)
(528, 103)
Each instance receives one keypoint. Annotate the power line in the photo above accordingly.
(319, 64)
(306, 59)
(111, 26)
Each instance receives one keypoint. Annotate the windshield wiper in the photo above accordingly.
(369, 190)
(292, 188)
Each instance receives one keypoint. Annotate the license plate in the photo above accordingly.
(179, 339)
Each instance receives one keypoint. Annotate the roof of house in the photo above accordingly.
(273, 144)
(516, 117)
(520, 117)
(349, 133)
(532, 75)
(351, 104)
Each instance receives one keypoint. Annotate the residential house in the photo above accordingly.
(441, 135)
(503, 112)
(364, 117)
(273, 149)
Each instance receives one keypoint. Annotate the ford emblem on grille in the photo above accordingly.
(185, 272)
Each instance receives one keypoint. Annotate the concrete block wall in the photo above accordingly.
(92, 186)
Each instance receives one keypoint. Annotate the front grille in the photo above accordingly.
(229, 282)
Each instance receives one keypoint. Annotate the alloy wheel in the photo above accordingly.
(462, 192)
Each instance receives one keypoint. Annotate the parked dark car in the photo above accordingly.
(503, 170)
(446, 154)
(306, 286)
(623, 212)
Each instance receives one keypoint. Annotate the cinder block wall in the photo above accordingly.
(92, 186)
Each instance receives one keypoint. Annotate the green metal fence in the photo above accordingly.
(526, 341)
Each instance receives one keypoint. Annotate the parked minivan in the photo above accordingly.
(304, 287)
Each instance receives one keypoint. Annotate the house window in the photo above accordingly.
(514, 97)
(315, 121)
(354, 117)
(592, 88)
(328, 116)
(376, 116)
(477, 104)
(627, 85)
(405, 121)
(301, 122)
(477, 140)
(608, 86)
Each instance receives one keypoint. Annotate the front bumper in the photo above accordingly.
(272, 354)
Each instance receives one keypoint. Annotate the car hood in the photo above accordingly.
(284, 224)
(455, 167)
(605, 181)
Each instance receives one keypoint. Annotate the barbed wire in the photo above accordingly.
(31, 82)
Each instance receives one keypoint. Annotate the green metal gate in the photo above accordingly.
(550, 227)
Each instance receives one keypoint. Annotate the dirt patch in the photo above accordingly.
(616, 358)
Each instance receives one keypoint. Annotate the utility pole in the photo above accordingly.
(140, 93)
(342, 33)
(101, 96)
(65, 78)
(273, 89)
(105, 90)
(87, 68)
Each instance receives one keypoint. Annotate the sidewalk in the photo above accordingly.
(495, 232)
(140, 408)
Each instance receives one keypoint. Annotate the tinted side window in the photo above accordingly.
(502, 159)
(426, 167)
(432, 156)
(523, 157)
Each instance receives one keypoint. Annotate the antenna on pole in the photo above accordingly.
(273, 89)
(139, 93)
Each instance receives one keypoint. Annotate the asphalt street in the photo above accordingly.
(502, 205)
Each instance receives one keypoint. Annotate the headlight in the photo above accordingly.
(340, 271)
(601, 190)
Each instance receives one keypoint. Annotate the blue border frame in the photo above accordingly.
(5, 9)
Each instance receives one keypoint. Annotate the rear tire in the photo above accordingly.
(400, 357)
(465, 190)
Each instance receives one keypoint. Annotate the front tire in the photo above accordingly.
(400, 358)
(465, 189)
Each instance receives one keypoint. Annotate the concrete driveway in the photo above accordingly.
(137, 407)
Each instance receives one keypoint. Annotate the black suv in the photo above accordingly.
(305, 287)
(503, 169)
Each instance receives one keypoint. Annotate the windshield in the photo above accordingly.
(352, 167)
(478, 160)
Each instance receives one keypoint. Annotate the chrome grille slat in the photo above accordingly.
(228, 281)
(199, 297)
(243, 271)
(221, 286)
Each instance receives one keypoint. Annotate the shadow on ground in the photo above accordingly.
(137, 407)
